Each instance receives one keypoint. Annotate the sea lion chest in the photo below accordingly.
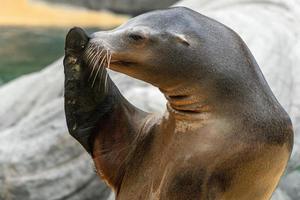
(174, 161)
(201, 161)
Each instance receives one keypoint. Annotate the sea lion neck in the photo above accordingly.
(187, 102)
(218, 94)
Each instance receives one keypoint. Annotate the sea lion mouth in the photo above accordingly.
(122, 63)
(98, 55)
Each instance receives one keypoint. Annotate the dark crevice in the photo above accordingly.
(178, 97)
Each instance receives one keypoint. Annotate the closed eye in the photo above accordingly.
(136, 37)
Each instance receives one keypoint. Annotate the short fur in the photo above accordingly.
(223, 136)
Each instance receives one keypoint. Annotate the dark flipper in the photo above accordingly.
(96, 115)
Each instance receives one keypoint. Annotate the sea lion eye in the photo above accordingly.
(135, 37)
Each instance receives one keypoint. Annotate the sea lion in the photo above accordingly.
(223, 135)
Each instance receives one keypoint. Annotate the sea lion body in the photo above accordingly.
(223, 135)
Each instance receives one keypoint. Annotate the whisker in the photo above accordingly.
(94, 66)
(94, 56)
(108, 65)
(103, 71)
(95, 60)
(99, 66)
(90, 51)
(91, 57)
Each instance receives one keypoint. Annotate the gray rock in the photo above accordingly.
(121, 6)
(38, 158)
(111, 196)
(291, 184)
(280, 195)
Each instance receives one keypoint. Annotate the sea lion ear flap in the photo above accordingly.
(182, 39)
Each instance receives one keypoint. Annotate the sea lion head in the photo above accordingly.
(164, 47)
(194, 60)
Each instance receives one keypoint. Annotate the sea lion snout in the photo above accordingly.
(76, 40)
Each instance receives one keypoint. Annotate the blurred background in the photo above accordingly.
(33, 32)
(38, 158)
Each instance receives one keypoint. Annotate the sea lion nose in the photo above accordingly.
(76, 40)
